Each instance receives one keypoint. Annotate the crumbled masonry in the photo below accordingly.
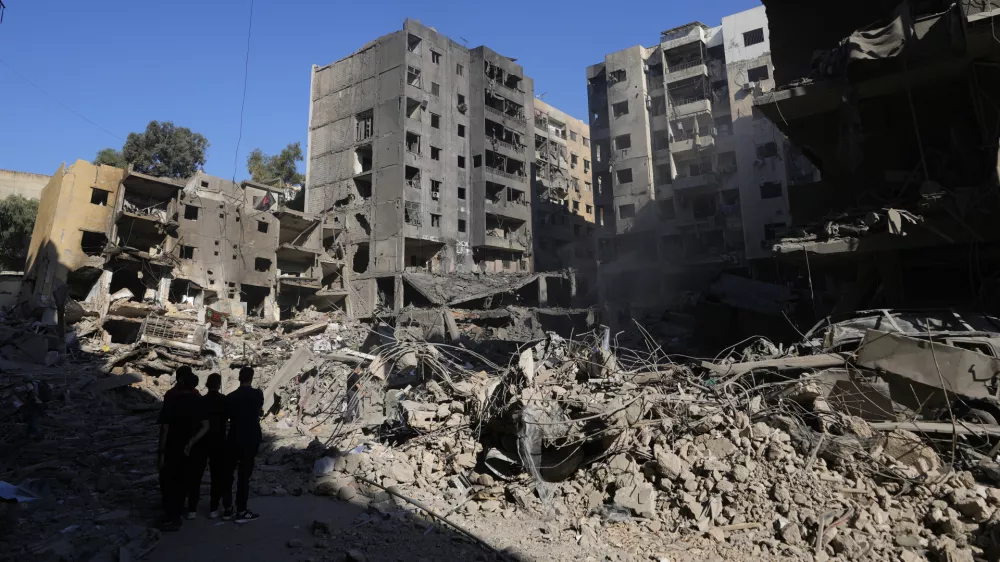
(764, 453)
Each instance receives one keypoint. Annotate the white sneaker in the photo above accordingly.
(190, 515)
(214, 514)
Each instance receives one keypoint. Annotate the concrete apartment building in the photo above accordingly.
(418, 151)
(205, 241)
(25, 184)
(685, 169)
(562, 185)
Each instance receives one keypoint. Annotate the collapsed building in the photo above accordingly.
(124, 244)
(893, 103)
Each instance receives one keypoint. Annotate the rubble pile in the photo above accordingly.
(809, 451)
(618, 444)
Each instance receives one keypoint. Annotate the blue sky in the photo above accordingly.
(122, 63)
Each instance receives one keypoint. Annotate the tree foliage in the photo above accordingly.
(17, 220)
(162, 150)
(165, 150)
(278, 170)
(111, 157)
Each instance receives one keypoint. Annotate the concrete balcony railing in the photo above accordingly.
(503, 144)
(505, 175)
(687, 70)
(508, 209)
(504, 115)
(501, 243)
(681, 146)
(691, 182)
(690, 106)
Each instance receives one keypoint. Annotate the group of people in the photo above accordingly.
(215, 430)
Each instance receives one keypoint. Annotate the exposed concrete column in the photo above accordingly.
(543, 290)
(163, 292)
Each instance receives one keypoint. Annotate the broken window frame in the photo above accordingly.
(99, 196)
(412, 143)
(413, 77)
(753, 37)
(624, 176)
(364, 125)
(758, 73)
(771, 190)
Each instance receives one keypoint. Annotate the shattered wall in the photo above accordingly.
(223, 244)
(76, 205)
(396, 157)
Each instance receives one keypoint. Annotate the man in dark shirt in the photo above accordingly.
(244, 408)
(180, 421)
(211, 449)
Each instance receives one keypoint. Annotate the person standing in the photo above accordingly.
(180, 420)
(244, 408)
(211, 450)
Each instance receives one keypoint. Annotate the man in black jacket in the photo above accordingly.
(180, 421)
(244, 408)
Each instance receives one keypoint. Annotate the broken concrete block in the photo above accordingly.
(909, 449)
(639, 498)
(670, 465)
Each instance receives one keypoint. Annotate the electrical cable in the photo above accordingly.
(246, 74)
(57, 100)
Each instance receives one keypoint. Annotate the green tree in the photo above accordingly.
(111, 157)
(17, 220)
(165, 150)
(278, 170)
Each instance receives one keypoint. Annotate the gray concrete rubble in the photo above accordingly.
(807, 451)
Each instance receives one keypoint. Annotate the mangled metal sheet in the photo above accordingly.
(174, 333)
(943, 367)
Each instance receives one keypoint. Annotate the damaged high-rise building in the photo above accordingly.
(565, 232)
(125, 245)
(684, 168)
(894, 103)
(418, 153)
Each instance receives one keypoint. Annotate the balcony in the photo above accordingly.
(505, 175)
(502, 207)
(685, 70)
(517, 118)
(689, 106)
(497, 143)
(680, 146)
(496, 242)
(691, 182)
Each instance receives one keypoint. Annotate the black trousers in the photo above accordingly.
(215, 458)
(218, 464)
(173, 482)
(241, 459)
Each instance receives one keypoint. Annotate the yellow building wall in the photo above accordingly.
(65, 212)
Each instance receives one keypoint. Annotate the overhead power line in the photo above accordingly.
(246, 73)
(57, 100)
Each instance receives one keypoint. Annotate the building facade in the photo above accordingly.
(418, 152)
(689, 179)
(25, 184)
(128, 245)
(563, 191)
